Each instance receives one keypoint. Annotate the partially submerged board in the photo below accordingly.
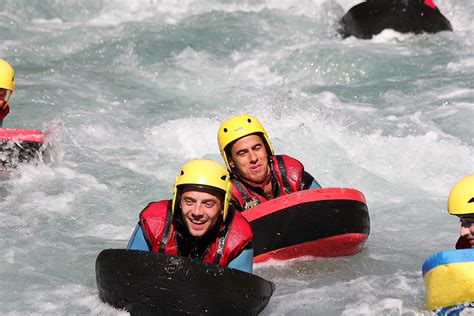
(19, 145)
(149, 283)
(369, 18)
(325, 222)
(449, 282)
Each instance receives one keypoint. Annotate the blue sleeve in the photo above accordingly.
(243, 262)
(315, 185)
(137, 241)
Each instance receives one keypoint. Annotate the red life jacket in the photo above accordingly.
(4, 112)
(156, 221)
(286, 176)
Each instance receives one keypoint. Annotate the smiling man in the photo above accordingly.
(197, 222)
(461, 204)
(257, 174)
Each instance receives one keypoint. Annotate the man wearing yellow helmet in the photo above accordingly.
(257, 174)
(461, 204)
(197, 222)
(7, 84)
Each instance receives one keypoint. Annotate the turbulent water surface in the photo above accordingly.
(129, 90)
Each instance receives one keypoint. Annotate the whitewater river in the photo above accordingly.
(131, 89)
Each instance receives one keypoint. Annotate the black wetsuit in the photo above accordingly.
(405, 16)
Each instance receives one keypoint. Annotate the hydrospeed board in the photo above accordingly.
(19, 145)
(143, 282)
(449, 282)
(325, 222)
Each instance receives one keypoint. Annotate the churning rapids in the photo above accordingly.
(130, 89)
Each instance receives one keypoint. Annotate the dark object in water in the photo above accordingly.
(19, 146)
(147, 283)
(405, 16)
(325, 222)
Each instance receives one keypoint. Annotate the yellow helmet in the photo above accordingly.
(204, 173)
(6, 75)
(461, 197)
(237, 127)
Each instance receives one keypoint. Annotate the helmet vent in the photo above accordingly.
(225, 130)
(223, 178)
(471, 200)
(249, 120)
(182, 172)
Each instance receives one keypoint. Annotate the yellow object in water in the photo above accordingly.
(449, 279)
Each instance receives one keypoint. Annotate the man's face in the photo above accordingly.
(249, 157)
(467, 229)
(200, 211)
(3, 95)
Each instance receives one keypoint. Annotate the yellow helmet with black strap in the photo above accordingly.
(7, 73)
(203, 173)
(461, 197)
(237, 127)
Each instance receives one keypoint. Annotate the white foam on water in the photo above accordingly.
(259, 75)
(68, 297)
(132, 90)
(391, 36)
(173, 11)
(107, 231)
(185, 138)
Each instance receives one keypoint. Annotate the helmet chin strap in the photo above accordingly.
(7, 99)
(9, 96)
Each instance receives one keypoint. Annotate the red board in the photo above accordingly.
(20, 134)
(335, 246)
(323, 194)
(325, 222)
(19, 145)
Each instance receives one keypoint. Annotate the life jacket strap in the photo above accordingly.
(284, 176)
(220, 248)
(242, 191)
(166, 231)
